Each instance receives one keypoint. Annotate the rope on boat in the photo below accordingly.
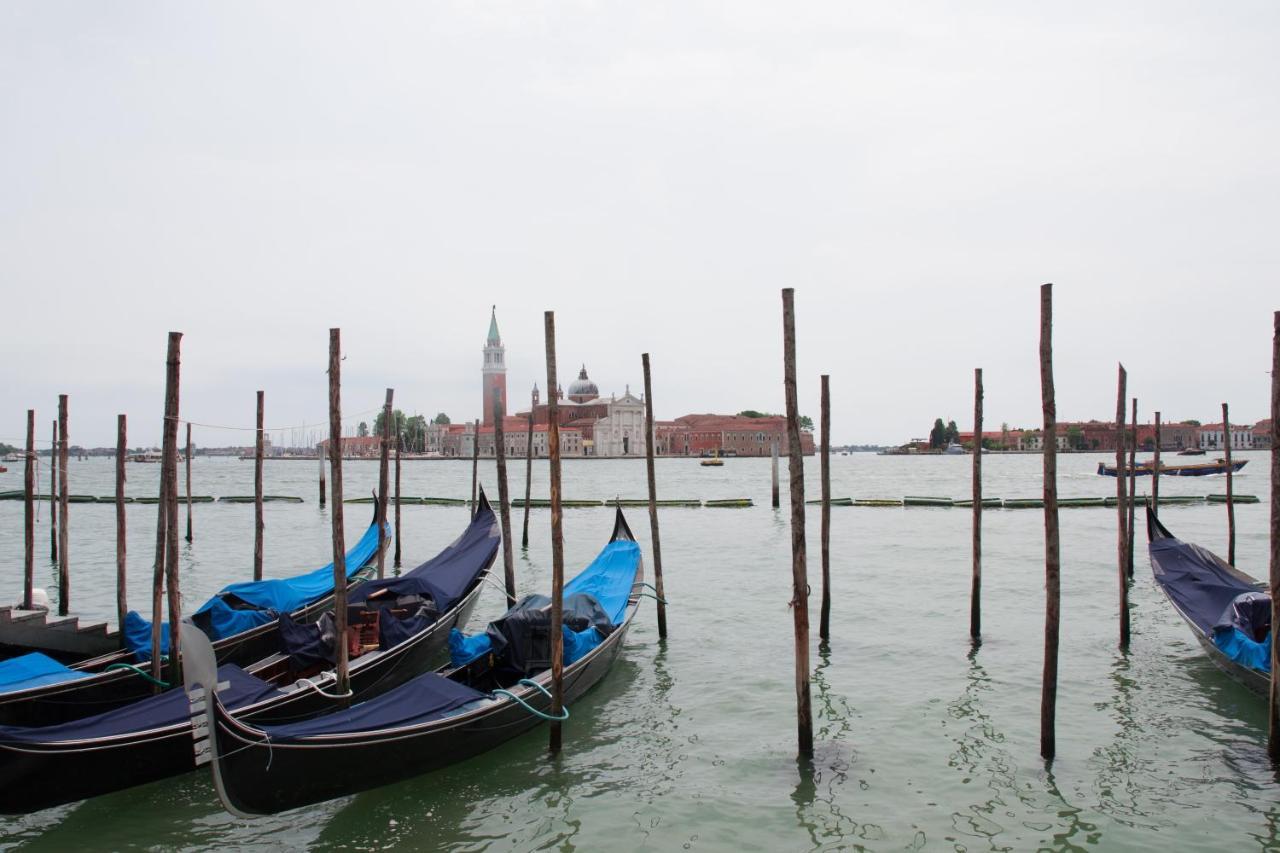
(490, 579)
(564, 711)
(654, 595)
(307, 682)
(139, 671)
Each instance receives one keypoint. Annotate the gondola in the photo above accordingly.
(1216, 599)
(36, 690)
(437, 719)
(151, 739)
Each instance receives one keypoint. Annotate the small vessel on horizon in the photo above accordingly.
(713, 461)
(1196, 469)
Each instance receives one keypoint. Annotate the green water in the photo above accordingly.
(923, 742)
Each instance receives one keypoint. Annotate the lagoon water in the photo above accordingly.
(924, 743)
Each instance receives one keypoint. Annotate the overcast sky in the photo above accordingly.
(253, 173)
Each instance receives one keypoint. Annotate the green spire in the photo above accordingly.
(494, 338)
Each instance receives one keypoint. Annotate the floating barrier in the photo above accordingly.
(1181, 500)
(1239, 499)
(543, 503)
(248, 499)
(443, 501)
(1080, 502)
(1024, 503)
(730, 502)
(645, 502)
(877, 502)
(989, 503)
(834, 502)
(919, 500)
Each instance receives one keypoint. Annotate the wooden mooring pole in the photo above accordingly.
(975, 593)
(1052, 565)
(1122, 511)
(475, 466)
(122, 451)
(399, 451)
(528, 480)
(339, 545)
(799, 571)
(557, 535)
(320, 458)
(64, 494)
(158, 574)
(649, 451)
(1231, 509)
(1155, 470)
(29, 513)
(773, 450)
(824, 619)
(1273, 729)
(1133, 481)
(53, 495)
(258, 524)
(504, 499)
(188, 466)
(172, 573)
(384, 456)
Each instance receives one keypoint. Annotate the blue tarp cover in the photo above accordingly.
(268, 598)
(34, 670)
(155, 712)
(1196, 579)
(1243, 649)
(428, 697)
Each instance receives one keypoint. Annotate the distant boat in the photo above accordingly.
(148, 456)
(1191, 451)
(954, 449)
(713, 462)
(1198, 469)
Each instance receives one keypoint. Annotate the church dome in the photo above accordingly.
(583, 389)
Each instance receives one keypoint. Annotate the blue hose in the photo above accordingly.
(564, 712)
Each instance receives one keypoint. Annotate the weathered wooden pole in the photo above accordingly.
(1049, 695)
(384, 453)
(399, 451)
(504, 499)
(1273, 729)
(29, 513)
(557, 535)
(799, 570)
(1231, 509)
(774, 452)
(649, 451)
(53, 495)
(975, 593)
(824, 621)
(528, 480)
(172, 573)
(1122, 512)
(475, 466)
(188, 465)
(122, 597)
(159, 575)
(1155, 470)
(320, 458)
(339, 546)
(1133, 481)
(258, 524)
(64, 564)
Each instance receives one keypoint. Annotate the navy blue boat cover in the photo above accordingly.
(155, 712)
(34, 670)
(1204, 588)
(428, 697)
(242, 606)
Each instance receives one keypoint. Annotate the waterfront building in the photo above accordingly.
(1212, 437)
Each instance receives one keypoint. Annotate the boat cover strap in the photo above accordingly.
(154, 712)
(34, 669)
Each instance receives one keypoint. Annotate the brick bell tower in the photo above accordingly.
(494, 372)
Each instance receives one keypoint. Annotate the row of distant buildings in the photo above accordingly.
(590, 424)
(1103, 436)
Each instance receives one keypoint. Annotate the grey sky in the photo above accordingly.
(251, 174)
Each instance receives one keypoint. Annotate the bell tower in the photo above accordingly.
(493, 373)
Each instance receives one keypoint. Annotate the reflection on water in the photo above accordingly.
(816, 795)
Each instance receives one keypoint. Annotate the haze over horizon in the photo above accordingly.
(252, 175)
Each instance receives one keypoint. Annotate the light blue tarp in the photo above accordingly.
(1243, 650)
(34, 670)
(259, 602)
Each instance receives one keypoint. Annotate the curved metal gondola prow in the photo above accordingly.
(482, 503)
(374, 520)
(621, 530)
(1156, 530)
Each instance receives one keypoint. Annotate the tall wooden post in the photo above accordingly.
(975, 593)
(773, 450)
(399, 452)
(1231, 509)
(557, 535)
(384, 453)
(188, 465)
(258, 524)
(169, 432)
(475, 467)
(29, 513)
(339, 545)
(824, 621)
(122, 596)
(504, 499)
(1122, 512)
(320, 458)
(53, 495)
(799, 571)
(649, 451)
(1133, 481)
(528, 479)
(172, 573)
(64, 564)
(1049, 696)
(1155, 469)
(1273, 729)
